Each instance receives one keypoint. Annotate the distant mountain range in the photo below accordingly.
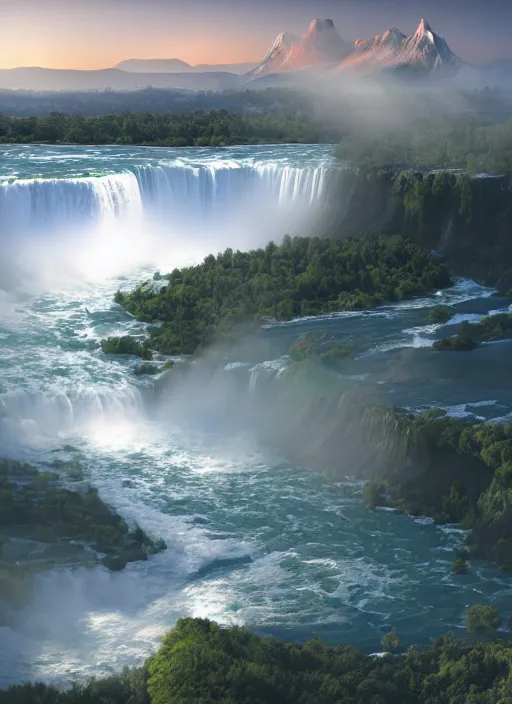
(47, 79)
(292, 61)
(322, 47)
(179, 66)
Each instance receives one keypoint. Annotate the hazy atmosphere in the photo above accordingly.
(255, 335)
(101, 33)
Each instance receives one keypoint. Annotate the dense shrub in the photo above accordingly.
(440, 314)
(482, 618)
(125, 345)
(469, 336)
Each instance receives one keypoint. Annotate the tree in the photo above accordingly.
(390, 642)
(482, 618)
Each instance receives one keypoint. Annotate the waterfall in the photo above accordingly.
(52, 202)
(223, 187)
(170, 190)
(153, 212)
(35, 418)
(292, 184)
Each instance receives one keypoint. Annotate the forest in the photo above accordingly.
(24, 103)
(201, 663)
(206, 128)
(437, 143)
(303, 276)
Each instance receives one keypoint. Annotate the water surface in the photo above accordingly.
(251, 538)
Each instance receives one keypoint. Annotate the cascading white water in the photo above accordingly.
(172, 190)
(35, 420)
(183, 190)
(46, 203)
(54, 230)
(157, 213)
(251, 539)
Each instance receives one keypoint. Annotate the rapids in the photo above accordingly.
(251, 538)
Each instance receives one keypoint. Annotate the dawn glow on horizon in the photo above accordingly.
(98, 34)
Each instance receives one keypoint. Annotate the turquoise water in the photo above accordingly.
(251, 538)
(31, 162)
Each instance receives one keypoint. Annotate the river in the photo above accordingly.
(251, 538)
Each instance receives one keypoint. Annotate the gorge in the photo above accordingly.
(253, 536)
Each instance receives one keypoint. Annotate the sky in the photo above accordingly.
(93, 34)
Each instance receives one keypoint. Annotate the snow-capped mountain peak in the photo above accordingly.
(323, 46)
(423, 49)
(320, 45)
(393, 36)
(424, 30)
(426, 49)
(283, 41)
(275, 57)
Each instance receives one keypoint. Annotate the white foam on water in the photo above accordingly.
(499, 311)
(479, 404)
(173, 212)
(464, 290)
(463, 318)
(460, 411)
(270, 370)
(376, 313)
(218, 502)
(414, 341)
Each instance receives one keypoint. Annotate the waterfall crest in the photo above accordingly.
(61, 220)
(62, 201)
(171, 190)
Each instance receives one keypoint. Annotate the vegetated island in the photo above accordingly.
(451, 470)
(203, 663)
(198, 305)
(209, 128)
(469, 336)
(64, 521)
